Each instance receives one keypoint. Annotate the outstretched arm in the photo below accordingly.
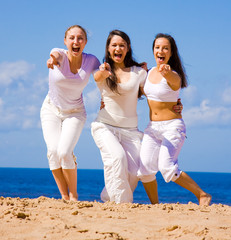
(172, 77)
(55, 58)
(103, 73)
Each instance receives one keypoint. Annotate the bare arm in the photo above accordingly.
(172, 77)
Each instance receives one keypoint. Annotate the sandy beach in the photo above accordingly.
(47, 218)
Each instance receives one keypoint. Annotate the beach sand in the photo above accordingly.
(52, 219)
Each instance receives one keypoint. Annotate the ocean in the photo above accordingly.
(35, 182)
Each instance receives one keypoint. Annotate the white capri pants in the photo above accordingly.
(160, 148)
(61, 131)
(120, 152)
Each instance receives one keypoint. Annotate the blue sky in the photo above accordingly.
(30, 29)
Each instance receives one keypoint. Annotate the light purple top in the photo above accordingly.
(65, 87)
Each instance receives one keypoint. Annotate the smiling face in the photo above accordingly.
(118, 49)
(162, 51)
(75, 40)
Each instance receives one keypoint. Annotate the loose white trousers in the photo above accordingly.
(161, 146)
(120, 152)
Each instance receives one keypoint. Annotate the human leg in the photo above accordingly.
(152, 191)
(51, 127)
(131, 142)
(188, 183)
(71, 129)
(115, 162)
(172, 135)
(149, 163)
(70, 176)
(173, 140)
(61, 183)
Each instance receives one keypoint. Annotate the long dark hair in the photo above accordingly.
(112, 81)
(174, 61)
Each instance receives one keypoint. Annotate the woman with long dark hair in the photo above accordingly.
(166, 131)
(115, 129)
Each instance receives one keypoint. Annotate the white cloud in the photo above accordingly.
(207, 115)
(190, 94)
(20, 102)
(226, 96)
(90, 118)
(31, 110)
(28, 124)
(92, 99)
(1, 103)
(10, 71)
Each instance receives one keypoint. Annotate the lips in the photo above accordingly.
(161, 59)
(118, 55)
(75, 49)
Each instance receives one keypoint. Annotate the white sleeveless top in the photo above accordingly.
(160, 92)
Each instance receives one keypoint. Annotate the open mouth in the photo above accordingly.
(76, 49)
(118, 55)
(161, 59)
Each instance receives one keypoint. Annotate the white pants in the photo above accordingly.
(120, 152)
(160, 148)
(61, 131)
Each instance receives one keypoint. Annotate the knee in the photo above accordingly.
(53, 159)
(170, 174)
(118, 160)
(67, 159)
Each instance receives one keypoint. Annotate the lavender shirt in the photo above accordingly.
(65, 87)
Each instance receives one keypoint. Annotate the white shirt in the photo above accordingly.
(65, 87)
(120, 109)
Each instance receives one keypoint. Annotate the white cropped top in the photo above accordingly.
(160, 92)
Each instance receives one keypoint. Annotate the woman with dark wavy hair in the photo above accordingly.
(166, 131)
(115, 129)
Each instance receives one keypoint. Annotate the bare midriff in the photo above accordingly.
(162, 111)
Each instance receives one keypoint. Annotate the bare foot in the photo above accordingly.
(205, 199)
(65, 197)
(73, 197)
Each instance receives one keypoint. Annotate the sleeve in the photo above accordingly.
(96, 64)
(59, 50)
(143, 76)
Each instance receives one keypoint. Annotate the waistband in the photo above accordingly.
(175, 120)
(65, 111)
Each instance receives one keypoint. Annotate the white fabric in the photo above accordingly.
(120, 109)
(120, 150)
(65, 87)
(160, 148)
(61, 131)
(160, 92)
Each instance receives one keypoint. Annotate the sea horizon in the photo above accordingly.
(35, 182)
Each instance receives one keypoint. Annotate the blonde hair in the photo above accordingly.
(74, 26)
